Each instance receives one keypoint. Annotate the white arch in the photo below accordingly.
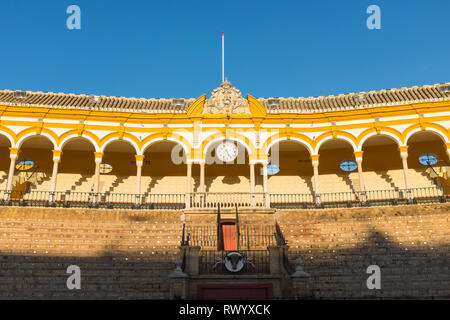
(34, 134)
(439, 133)
(338, 137)
(383, 133)
(302, 142)
(135, 146)
(74, 136)
(149, 143)
(227, 138)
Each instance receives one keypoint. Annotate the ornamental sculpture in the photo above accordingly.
(226, 100)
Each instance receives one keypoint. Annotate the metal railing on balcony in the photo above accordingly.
(226, 200)
(151, 201)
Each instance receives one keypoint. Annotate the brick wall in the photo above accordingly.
(411, 245)
(122, 254)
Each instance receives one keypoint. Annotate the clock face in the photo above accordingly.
(227, 151)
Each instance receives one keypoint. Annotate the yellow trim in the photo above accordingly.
(139, 157)
(315, 157)
(256, 108)
(403, 149)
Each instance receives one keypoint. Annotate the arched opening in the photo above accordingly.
(427, 158)
(33, 166)
(227, 168)
(77, 166)
(4, 161)
(296, 171)
(118, 168)
(382, 164)
(164, 168)
(335, 175)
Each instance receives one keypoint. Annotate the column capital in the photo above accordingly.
(403, 149)
(98, 156)
(358, 155)
(139, 160)
(57, 155)
(315, 157)
(13, 152)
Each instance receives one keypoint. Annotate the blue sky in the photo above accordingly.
(146, 48)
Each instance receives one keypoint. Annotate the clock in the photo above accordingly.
(227, 151)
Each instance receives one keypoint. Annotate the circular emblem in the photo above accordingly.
(234, 261)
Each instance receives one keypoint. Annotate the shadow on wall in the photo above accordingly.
(405, 273)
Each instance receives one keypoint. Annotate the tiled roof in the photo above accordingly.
(425, 93)
(63, 100)
(273, 105)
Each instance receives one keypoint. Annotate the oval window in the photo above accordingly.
(273, 169)
(428, 159)
(105, 167)
(24, 165)
(348, 165)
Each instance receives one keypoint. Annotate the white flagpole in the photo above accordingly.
(223, 57)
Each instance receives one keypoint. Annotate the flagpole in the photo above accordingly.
(223, 57)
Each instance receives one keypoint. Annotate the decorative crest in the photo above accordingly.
(226, 100)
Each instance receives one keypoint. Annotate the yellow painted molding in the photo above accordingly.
(315, 157)
(139, 157)
(196, 109)
(13, 151)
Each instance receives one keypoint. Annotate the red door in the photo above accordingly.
(228, 236)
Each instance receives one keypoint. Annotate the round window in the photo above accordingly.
(428, 159)
(348, 165)
(273, 169)
(24, 165)
(105, 168)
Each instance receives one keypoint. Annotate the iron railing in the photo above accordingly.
(211, 262)
(150, 201)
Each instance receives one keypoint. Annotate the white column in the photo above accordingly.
(202, 177)
(56, 160)
(188, 185)
(266, 185)
(139, 163)
(362, 186)
(98, 161)
(315, 163)
(404, 155)
(252, 183)
(358, 158)
(13, 153)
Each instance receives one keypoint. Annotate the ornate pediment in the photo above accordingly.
(226, 100)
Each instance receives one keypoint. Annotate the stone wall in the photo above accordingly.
(122, 254)
(410, 244)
